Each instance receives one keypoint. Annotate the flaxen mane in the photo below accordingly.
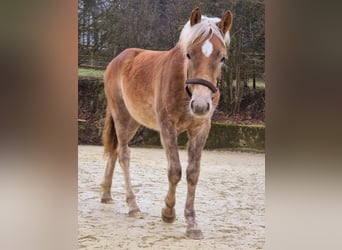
(207, 27)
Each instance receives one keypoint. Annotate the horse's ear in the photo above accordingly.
(226, 22)
(195, 16)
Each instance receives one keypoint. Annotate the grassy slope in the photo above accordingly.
(87, 72)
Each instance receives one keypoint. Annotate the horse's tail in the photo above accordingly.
(109, 138)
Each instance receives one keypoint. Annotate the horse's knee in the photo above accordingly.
(175, 175)
(123, 155)
(192, 175)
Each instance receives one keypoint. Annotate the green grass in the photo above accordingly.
(86, 72)
(258, 84)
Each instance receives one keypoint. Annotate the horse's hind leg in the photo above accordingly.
(116, 140)
(106, 184)
(126, 128)
(110, 145)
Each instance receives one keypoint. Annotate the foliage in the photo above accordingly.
(246, 53)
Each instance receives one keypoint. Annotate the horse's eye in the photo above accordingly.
(222, 60)
(188, 55)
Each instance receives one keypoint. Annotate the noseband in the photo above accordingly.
(200, 82)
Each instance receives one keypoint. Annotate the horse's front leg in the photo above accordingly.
(197, 139)
(169, 140)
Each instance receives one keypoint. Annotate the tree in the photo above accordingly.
(246, 53)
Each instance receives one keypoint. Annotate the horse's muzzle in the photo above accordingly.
(199, 107)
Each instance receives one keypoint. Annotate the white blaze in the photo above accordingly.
(207, 48)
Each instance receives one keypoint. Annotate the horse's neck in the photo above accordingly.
(176, 53)
(176, 60)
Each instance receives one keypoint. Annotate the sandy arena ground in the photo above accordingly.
(229, 202)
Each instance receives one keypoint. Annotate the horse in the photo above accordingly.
(171, 92)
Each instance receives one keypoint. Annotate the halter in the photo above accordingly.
(200, 82)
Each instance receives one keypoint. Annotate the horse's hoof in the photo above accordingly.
(135, 213)
(195, 234)
(168, 218)
(107, 200)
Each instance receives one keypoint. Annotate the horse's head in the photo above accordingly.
(203, 42)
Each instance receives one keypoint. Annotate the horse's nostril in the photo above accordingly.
(208, 107)
(192, 104)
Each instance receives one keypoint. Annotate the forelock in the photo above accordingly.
(207, 26)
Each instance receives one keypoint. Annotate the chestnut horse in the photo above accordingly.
(170, 92)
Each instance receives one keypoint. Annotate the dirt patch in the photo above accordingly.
(229, 202)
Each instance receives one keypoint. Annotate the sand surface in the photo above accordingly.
(229, 203)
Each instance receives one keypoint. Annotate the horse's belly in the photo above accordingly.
(146, 120)
(143, 113)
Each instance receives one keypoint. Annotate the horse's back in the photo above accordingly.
(115, 66)
(132, 61)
